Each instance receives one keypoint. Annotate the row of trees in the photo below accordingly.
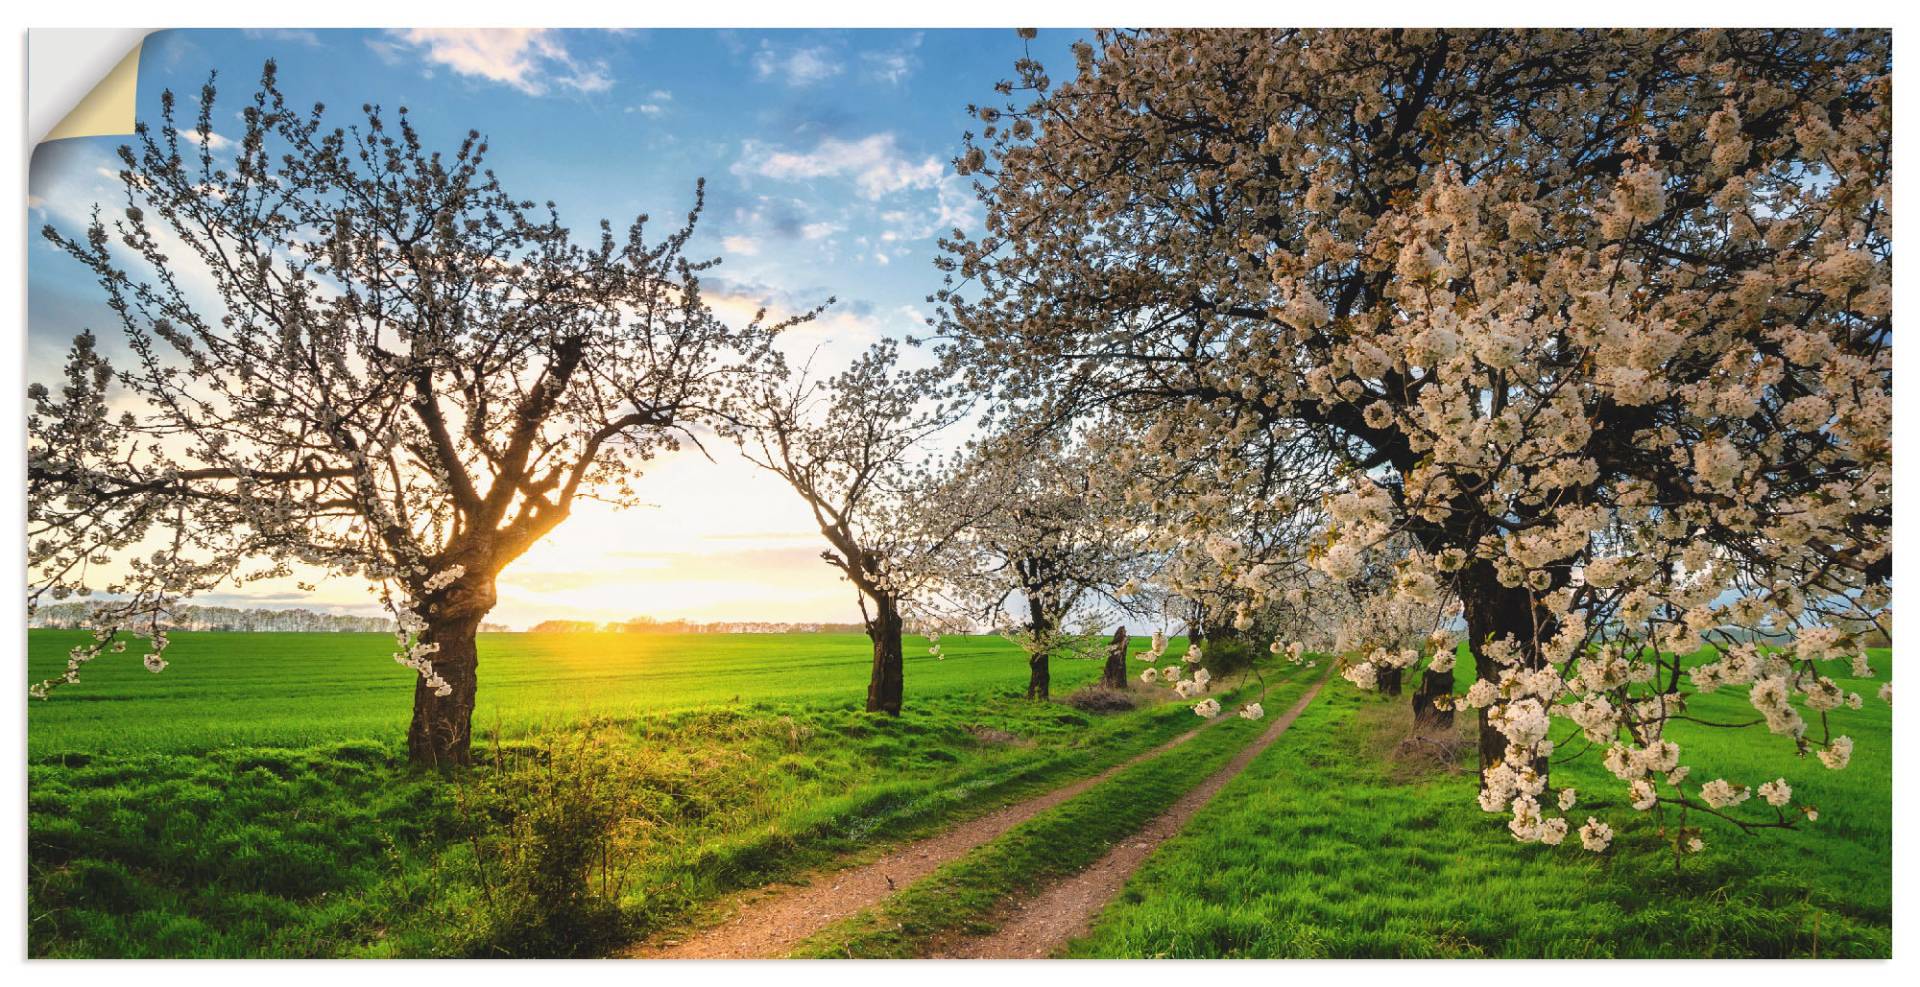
(80, 616)
(199, 617)
(1580, 340)
(348, 352)
(1592, 327)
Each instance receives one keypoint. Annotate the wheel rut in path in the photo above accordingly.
(1038, 926)
(774, 921)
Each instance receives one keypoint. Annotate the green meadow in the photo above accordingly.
(254, 800)
(1339, 847)
(298, 689)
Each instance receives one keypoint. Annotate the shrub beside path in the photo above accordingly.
(778, 919)
(1042, 924)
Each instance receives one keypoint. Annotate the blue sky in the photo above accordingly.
(827, 159)
(826, 153)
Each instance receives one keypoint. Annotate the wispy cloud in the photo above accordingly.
(290, 35)
(875, 164)
(532, 60)
(213, 141)
(893, 65)
(843, 330)
(797, 67)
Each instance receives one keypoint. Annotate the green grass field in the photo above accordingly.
(1326, 847)
(254, 800)
(300, 689)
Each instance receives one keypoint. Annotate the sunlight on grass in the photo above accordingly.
(297, 689)
(260, 827)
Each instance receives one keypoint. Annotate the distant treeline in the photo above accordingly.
(649, 625)
(238, 619)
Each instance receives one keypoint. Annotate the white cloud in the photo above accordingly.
(796, 66)
(647, 109)
(832, 339)
(745, 246)
(892, 66)
(821, 230)
(959, 206)
(213, 140)
(531, 60)
(875, 164)
(592, 78)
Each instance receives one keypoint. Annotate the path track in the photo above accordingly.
(776, 920)
(1039, 926)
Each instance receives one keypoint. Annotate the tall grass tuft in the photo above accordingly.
(554, 828)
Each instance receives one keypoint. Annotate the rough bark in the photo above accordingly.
(1389, 680)
(1114, 676)
(1425, 716)
(1039, 676)
(441, 733)
(1494, 612)
(1040, 622)
(884, 685)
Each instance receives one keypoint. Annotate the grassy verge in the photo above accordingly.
(1331, 848)
(339, 849)
(962, 897)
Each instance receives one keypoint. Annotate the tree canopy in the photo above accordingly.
(1599, 320)
(352, 353)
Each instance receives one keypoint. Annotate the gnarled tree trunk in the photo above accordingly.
(884, 686)
(1114, 676)
(1040, 623)
(1426, 717)
(1389, 681)
(441, 734)
(1039, 676)
(1494, 612)
(442, 728)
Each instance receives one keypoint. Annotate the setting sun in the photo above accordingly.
(718, 540)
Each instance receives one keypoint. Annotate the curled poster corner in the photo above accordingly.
(85, 79)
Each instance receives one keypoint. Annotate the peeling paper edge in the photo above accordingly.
(83, 78)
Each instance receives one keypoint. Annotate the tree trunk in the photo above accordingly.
(1389, 681)
(441, 734)
(1114, 676)
(1425, 716)
(1039, 676)
(1040, 625)
(1493, 612)
(884, 685)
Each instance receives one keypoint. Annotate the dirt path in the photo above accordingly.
(1036, 927)
(777, 918)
